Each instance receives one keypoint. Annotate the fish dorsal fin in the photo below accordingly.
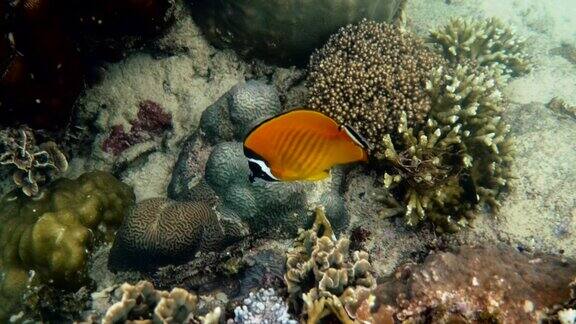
(356, 137)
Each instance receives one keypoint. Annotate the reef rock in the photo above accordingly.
(211, 167)
(283, 32)
(490, 283)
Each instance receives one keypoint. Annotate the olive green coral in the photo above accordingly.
(461, 157)
(51, 234)
(323, 274)
(487, 42)
(368, 74)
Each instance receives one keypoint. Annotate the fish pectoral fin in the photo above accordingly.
(319, 176)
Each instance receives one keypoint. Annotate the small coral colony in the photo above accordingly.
(422, 117)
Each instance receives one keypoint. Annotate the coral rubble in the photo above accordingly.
(34, 163)
(263, 307)
(50, 237)
(283, 32)
(461, 158)
(212, 167)
(367, 75)
(486, 284)
(160, 231)
(486, 42)
(324, 276)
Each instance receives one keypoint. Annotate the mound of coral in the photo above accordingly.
(367, 75)
(283, 32)
(49, 238)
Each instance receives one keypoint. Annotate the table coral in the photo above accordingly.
(324, 275)
(367, 75)
(212, 167)
(51, 235)
(283, 32)
(160, 231)
(461, 158)
(486, 42)
(492, 283)
(34, 164)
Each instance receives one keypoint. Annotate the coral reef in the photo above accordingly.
(160, 231)
(151, 122)
(486, 42)
(141, 302)
(283, 32)
(562, 107)
(212, 168)
(367, 75)
(460, 159)
(491, 283)
(40, 79)
(324, 275)
(34, 164)
(52, 234)
(263, 307)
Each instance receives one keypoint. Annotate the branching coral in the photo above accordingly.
(460, 158)
(487, 42)
(368, 74)
(324, 275)
(34, 164)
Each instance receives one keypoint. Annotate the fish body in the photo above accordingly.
(301, 145)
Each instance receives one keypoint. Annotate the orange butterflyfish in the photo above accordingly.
(301, 145)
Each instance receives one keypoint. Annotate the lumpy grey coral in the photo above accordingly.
(323, 275)
(486, 42)
(213, 168)
(368, 74)
(284, 32)
(263, 307)
(159, 231)
(34, 164)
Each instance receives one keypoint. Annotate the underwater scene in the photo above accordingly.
(288, 161)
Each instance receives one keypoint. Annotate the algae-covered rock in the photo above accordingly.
(49, 237)
(284, 32)
(212, 168)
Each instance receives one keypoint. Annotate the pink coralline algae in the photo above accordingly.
(151, 122)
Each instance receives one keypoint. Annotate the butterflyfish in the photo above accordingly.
(301, 145)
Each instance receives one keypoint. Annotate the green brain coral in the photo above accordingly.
(487, 42)
(51, 235)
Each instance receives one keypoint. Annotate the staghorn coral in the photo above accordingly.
(486, 42)
(367, 75)
(263, 307)
(460, 158)
(489, 283)
(145, 304)
(283, 32)
(212, 168)
(49, 238)
(324, 275)
(159, 231)
(34, 164)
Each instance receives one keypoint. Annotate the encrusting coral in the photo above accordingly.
(147, 305)
(34, 164)
(367, 75)
(160, 231)
(49, 238)
(283, 32)
(323, 274)
(461, 158)
(486, 42)
(264, 307)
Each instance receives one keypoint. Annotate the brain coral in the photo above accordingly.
(284, 32)
(212, 167)
(53, 233)
(160, 231)
(368, 74)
